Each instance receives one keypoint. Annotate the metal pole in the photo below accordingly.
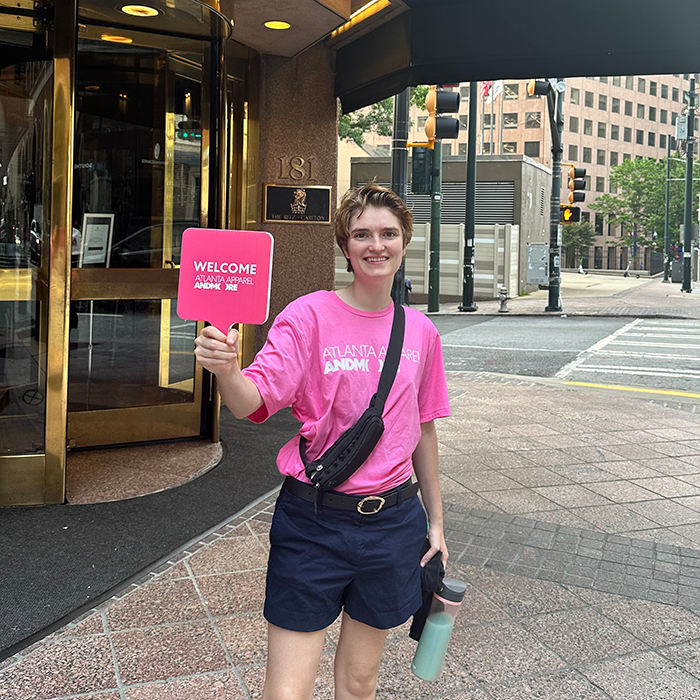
(688, 219)
(435, 213)
(667, 244)
(556, 121)
(468, 265)
(399, 177)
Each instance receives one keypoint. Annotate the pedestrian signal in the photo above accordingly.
(577, 182)
(568, 214)
(537, 87)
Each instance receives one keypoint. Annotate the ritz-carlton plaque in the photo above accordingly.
(297, 204)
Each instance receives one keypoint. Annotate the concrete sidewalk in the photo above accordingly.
(599, 295)
(574, 516)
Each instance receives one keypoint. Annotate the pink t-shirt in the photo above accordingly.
(323, 358)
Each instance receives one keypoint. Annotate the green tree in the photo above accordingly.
(639, 202)
(378, 117)
(576, 237)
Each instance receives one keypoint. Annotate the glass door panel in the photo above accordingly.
(26, 85)
(137, 187)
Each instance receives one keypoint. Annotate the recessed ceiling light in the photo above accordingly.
(92, 88)
(276, 24)
(140, 10)
(117, 39)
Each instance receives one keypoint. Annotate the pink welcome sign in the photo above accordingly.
(225, 276)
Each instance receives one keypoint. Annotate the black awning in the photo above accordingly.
(446, 41)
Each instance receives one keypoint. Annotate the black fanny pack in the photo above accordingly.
(349, 452)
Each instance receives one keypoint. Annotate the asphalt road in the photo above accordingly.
(662, 354)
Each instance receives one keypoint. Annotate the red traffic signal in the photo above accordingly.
(568, 214)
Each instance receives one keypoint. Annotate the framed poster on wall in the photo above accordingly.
(96, 240)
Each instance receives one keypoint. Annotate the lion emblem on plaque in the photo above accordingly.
(298, 206)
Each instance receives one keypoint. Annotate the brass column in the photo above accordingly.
(64, 36)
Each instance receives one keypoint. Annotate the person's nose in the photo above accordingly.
(377, 243)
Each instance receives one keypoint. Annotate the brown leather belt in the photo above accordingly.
(366, 505)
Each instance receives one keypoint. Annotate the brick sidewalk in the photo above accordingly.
(574, 517)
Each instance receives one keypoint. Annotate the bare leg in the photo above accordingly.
(292, 663)
(357, 660)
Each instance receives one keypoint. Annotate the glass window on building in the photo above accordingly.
(446, 149)
(614, 155)
(533, 120)
(602, 128)
(510, 120)
(640, 137)
(640, 111)
(588, 99)
(532, 149)
(486, 121)
(464, 91)
(615, 132)
(674, 94)
(587, 154)
(663, 116)
(616, 80)
(664, 91)
(573, 124)
(600, 184)
(511, 91)
(613, 190)
(421, 122)
(486, 148)
(641, 85)
(603, 78)
(464, 121)
(628, 108)
(588, 183)
(573, 153)
(575, 96)
(600, 157)
(588, 127)
(585, 216)
(615, 106)
(662, 140)
(672, 139)
(629, 82)
(651, 139)
(626, 156)
(462, 149)
(599, 223)
(627, 135)
(510, 147)
(652, 88)
(603, 102)
(674, 117)
(652, 114)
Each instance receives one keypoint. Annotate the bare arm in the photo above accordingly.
(425, 463)
(218, 353)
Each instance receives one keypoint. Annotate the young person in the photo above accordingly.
(323, 357)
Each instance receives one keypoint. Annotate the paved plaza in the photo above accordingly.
(572, 514)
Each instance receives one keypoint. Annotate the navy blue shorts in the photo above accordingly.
(322, 563)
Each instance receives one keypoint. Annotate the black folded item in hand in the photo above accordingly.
(431, 576)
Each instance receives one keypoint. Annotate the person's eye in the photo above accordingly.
(390, 234)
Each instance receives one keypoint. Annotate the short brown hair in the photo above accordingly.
(357, 199)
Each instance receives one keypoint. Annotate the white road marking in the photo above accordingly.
(488, 347)
(648, 371)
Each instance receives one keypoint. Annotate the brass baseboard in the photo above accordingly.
(22, 480)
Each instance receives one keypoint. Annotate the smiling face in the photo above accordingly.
(375, 246)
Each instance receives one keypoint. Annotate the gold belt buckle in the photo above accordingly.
(381, 501)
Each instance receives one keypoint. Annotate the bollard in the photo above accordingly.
(503, 299)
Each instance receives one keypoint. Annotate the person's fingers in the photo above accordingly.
(232, 337)
(214, 333)
(429, 555)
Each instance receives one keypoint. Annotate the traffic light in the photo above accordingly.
(438, 102)
(189, 130)
(569, 214)
(577, 181)
(537, 87)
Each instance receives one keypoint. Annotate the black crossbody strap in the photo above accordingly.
(392, 358)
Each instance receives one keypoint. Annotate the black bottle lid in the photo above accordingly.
(452, 589)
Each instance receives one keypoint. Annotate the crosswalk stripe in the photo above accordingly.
(659, 355)
(646, 371)
(655, 345)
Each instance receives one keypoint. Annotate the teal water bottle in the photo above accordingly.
(432, 647)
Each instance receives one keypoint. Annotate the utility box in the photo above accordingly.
(677, 271)
(537, 263)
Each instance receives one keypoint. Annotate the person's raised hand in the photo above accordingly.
(217, 352)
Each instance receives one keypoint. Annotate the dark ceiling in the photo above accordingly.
(449, 41)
